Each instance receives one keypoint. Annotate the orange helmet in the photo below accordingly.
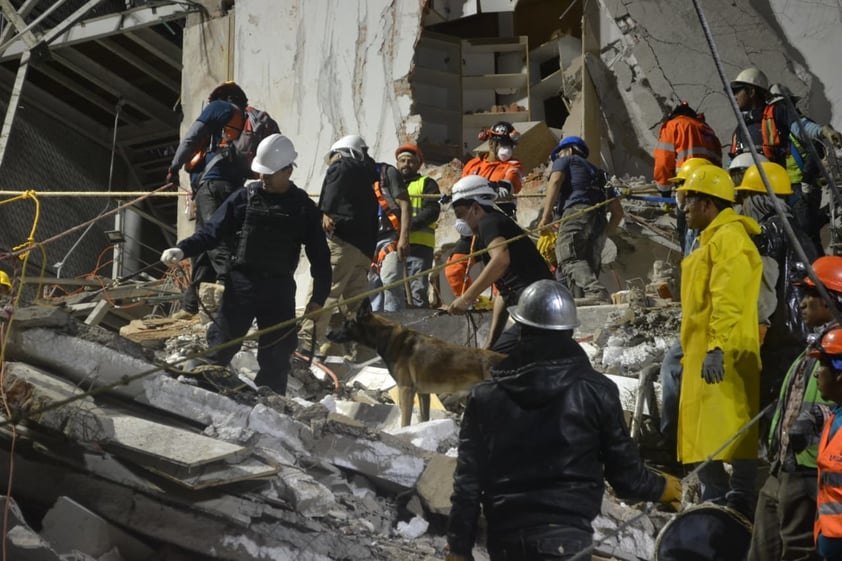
(827, 345)
(409, 147)
(829, 270)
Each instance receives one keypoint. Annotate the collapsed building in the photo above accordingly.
(325, 474)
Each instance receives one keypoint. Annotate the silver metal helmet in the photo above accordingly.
(546, 304)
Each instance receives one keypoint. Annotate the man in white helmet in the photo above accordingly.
(350, 220)
(267, 222)
(509, 266)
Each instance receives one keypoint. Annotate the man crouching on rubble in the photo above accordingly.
(537, 440)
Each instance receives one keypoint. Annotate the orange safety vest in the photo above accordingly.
(496, 171)
(680, 139)
(829, 498)
(775, 146)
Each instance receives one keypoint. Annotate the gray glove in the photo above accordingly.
(713, 368)
(807, 429)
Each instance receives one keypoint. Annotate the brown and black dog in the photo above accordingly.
(418, 363)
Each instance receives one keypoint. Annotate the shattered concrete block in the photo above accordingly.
(592, 318)
(378, 415)
(272, 425)
(429, 435)
(372, 378)
(388, 464)
(415, 528)
(22, 543)
(436, 484)
(305, 494)
(69, 526)
(40, 316)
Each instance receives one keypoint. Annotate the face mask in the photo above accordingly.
(504, 153)
(463, 228)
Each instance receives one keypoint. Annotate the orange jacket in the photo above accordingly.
(682, 138)
(496, 171)
(829, 498)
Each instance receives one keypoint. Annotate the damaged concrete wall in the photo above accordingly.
(657, 62)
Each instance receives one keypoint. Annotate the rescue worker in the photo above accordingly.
(827, 531)
(505, 175)
(786, 505)
(684, 135)
(425, 216)
(778, 310)
(510, 267)
(574, 185)
(740, 163)
(350, 220)
(803, 168)
(214, 178)
(539, 439)
(720, 283)
(269, 221)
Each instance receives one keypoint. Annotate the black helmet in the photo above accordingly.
(501, 131)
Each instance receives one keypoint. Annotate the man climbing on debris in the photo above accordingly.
(540, 494)
(506, 176)
(786, 505)
(720, 283)
(423, 199)
(782, 330)
(350, 211)
(269, 221)
(575, 184)
(827, 531)
(394, 216)
(217, 170)
(509, 266)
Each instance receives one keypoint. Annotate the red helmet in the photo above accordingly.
(827, 345)
(409, 147)
(829, 270)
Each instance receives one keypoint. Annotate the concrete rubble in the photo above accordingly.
(324, 473)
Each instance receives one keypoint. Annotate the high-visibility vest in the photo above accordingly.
(773, 142)
(680, 139)
(829, 498)
(426, 235)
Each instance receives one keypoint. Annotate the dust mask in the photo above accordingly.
(463, 228)
(504, 153)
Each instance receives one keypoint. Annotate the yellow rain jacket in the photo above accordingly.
(720, 285)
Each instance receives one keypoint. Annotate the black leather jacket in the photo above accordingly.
(537, 442)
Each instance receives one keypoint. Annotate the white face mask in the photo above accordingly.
(504, 153)
(463, 228)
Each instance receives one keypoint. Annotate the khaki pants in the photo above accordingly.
(349, 268)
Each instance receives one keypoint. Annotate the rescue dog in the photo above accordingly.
(417, 362)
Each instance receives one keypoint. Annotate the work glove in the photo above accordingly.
(172, 176)
(672, 492)
(713, 368)
(171, 256)
(504, 190)
(806, 429)
(832, 135)
(546, 247)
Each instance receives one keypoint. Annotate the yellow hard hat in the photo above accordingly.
(687, 168)
(4, 280)
(710, 180)
(777, 175)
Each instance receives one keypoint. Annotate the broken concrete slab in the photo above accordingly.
(22, 542)
(430, 435)
(306, 495)
(593, 318)
(435, 486)
(69, 526)
(29, 317)
(392, 465)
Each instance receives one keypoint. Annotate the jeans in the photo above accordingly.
(670, 390)
(544, 543)
(213, 264)
(739, 492)
(420, 259)
(393, 299)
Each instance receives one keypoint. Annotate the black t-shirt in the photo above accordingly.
(526, 264)
(348, 197)
(584, 183)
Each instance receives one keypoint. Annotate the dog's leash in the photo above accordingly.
(438, 312)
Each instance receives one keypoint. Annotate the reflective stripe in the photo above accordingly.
(831, 478)
(697, 152)
(665, 146)
(425, 236)
(830, 508)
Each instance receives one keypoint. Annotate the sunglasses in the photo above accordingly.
(737, 89)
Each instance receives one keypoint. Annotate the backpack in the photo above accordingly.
(240, 138)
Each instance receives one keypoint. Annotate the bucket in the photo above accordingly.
(707, 532)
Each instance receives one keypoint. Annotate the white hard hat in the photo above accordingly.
(474, 187)
(744, 161)
(274, 153)
(753, 77)
(352, 143)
